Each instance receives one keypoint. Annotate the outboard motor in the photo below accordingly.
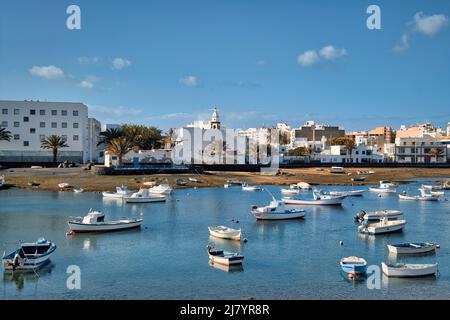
(17, 261)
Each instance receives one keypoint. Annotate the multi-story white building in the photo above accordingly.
(426, 149)
(95, 153)
(31, 121)
(361, 154)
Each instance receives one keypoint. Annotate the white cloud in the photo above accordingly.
(331, 53)
(403, 45)
(88, 82)
(308, 58)
(84, 61)
(260, 62)
(189, 81)
(120, 63)
(47, 72)
(429, 25)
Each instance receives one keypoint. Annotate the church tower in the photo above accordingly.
(215, 120)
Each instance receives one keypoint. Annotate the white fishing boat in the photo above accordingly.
(276, 210)
(63, 185)
(223, 232)
(383, 226)
(95, 221)
(353, 265)
(347, 193)
(437, 193)
(402, 270)
(224, 257)
(319, 198)
(226, 185)
(431, 187)
(412, 247)
(246, 187)
(304, 186)
(144, 196)
(193, 180)
(2, 181)
(78, 190)
(407, 197)
(425, 195)
(290, 191)
(120, 192)
(161, 189)
(29, 256)
(337, 170)
(385, 186)
(378, 215)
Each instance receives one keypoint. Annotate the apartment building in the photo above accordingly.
(426, 149)
(31, 121)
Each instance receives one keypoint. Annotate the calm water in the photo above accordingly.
(166, 258)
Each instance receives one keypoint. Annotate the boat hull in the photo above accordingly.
(352, 193)
(382, 229)
(113, 195)
(235, 235)
(411, 250)
(410, 270)
(30, 263)
(278, 216)
(144, 200)
(354, 269)
(383, 190)
(227, 261)
(103, 227)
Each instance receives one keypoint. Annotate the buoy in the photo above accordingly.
(379, 196)
(70, 233)
(245, 240)
(237, 221)
(341, 243)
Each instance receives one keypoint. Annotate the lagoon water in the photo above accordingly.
(167, 259)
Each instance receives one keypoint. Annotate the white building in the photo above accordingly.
(361, 154)
(448, 129)
(107, 126)
(95, 153)
(420, 150)
(31, 121)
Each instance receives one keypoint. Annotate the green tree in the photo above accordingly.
(54, 143)
(142, 137)
(109, 135)
(299, 152)
(119, 147)
(348, 143)
(5, 135)
(436, 153)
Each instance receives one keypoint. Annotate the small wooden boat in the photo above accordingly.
(384, 226)
(33, 183)
(143, 196)
(246, 187)
(223, 257)
(235, 182)
(402, 270)
(78, 190)
(63, 185)
(354, 265)
(348, 193)
(181, 183)
(412, 247)
(337, 170)
(365, 172)
(371, 216)
(229, 268)
(121, 192)
(276, 210)
(161, 189)
(193, 180)
(94, 221)
(424, 196)
(385, 186)
(358, 179)
(223, 232)
(319, 198)
(29, 256)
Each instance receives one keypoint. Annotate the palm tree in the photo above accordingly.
(436, 153)
(53, 142)
(5, 135)
(108, 135)
(350, 146)
(119, 147)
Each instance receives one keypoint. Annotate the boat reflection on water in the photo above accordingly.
(355, 279)
(230, 245)
(19, 278)
(232, 268)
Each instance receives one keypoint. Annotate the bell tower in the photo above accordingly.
(215, 120)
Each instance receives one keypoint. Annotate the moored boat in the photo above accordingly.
(290, 191)
(304, 185)
(63, 185)
(319, 198)
(224, 257)
(181, 183)
(378, 215)
(78, 190)
(385, 186)
(277, 210)
(120, 192)
(224, 232)
(2, 181)
(412, 247)
(29, 256)
(144, 196)
(95, 221)
(403, 270)
(161, 189)
(246, 187)
(347, 193)
(353, 265)
(359, 179)
(383, 226)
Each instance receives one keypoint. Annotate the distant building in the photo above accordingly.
(339, 154)
(418, 131)
(31, 121)
(420, 150)
(448, 129)
(315, 132)
(95, 153)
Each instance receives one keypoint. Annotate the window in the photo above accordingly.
(75, 137)
(26, 143)
(32, 130)
(16, 112)
(75, 113)
(54, 112)
(42, 112)
(363, 152)
(54, 125)
(75, 125)
(64, 125)
(101, 154)
(42, 124)
(32, 112)
(4, 124)
(4, 111)
(42, 137)
(64, 112)
(64, 137)
(357, 152)
(26, 119)
(17, 137)
(16, 124)
(401, 150)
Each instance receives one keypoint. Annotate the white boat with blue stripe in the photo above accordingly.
(29, 256)
(354, 265)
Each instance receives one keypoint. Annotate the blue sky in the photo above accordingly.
(166, 63)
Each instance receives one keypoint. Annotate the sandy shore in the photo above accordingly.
(49, 178)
